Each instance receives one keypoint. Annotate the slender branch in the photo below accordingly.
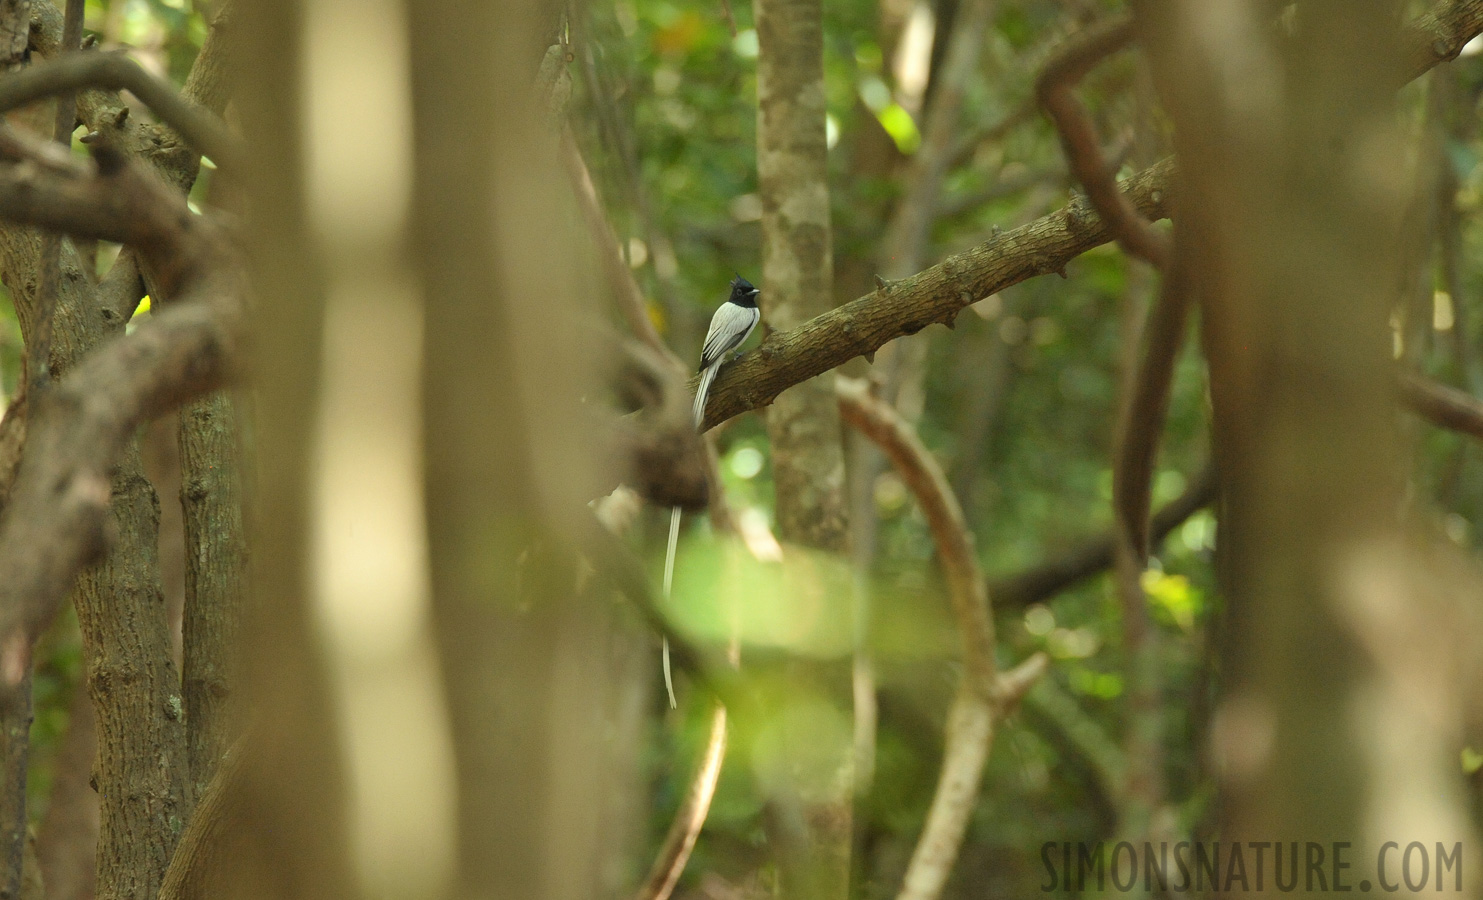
(983, 695)
(1443, 406)
(1145, 410)
(906, 240)
(620, 278)
(115, 71)
(967, 588)
(1056, 89)
(1135, 458)
(1044, 580)
(674, 853)
(937, 294)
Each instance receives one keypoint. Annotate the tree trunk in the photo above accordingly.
(289, 837)
(813, 834)
(1341, 701)
(521, 647)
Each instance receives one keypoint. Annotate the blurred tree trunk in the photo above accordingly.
(521, 648)
(812, 833)
(289, 837)
(1338, 712)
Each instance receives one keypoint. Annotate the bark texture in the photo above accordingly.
(812, 834)
(215, 561)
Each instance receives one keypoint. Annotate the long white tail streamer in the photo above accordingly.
(706, 377)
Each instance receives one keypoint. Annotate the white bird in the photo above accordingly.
(730, 327)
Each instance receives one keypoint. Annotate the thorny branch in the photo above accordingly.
(1047, 245)
(983, 695)
(1056, 89)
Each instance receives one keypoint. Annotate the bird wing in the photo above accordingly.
(729, 328)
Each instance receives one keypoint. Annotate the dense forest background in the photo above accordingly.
(335, 477)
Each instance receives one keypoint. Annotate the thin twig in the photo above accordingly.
(620, 278)
(115, 71)
(1135, 457)
(983, 694)
(1144, 411)
(1056, 89)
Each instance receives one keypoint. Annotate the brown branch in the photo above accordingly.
(967, 588)
(1056, 89)
(983, 695)
(115, 71)
(620, 278)
(937, 294)
(1142, 420)
(1443, 406)
(1438, 36)
(1043, 581)
(53, 523)
(674, 853)
(1136, 456)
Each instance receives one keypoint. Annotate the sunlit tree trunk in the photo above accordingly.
(803, 424)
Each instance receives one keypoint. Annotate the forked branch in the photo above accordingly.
(53, 523)
(984, 695)
(116, 72)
